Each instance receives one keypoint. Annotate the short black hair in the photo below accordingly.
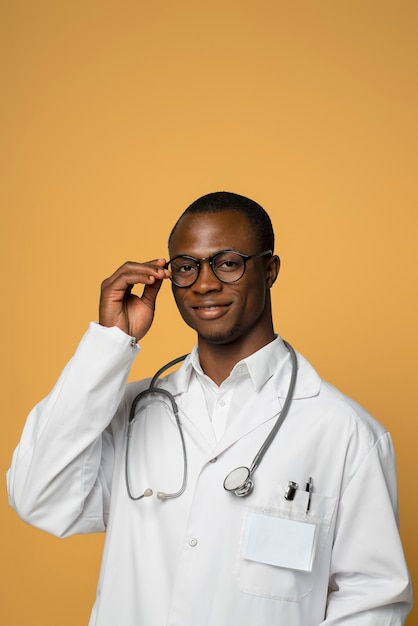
(220, 201)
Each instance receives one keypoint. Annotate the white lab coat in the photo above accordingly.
(182, 562)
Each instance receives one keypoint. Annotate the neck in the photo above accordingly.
(218, 360)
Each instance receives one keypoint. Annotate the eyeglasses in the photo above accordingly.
(227, 265)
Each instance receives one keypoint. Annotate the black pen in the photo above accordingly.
(309, 489)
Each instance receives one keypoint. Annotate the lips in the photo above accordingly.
(207, 308)
(210, 311)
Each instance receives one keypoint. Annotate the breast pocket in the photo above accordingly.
(281, 547)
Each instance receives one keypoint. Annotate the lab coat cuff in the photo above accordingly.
(116, 335)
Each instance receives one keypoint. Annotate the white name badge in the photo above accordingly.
(278, 541)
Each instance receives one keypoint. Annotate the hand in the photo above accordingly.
(119, 307)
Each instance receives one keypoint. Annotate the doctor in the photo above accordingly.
(316, 542)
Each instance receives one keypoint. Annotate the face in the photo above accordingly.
(223, 313)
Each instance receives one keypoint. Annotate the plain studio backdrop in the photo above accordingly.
(115, 116)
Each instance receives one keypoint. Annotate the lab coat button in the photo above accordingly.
(215, 458)
(193, 542)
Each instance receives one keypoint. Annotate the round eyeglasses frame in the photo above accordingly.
(211, 260)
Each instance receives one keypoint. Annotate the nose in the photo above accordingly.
(206, 280)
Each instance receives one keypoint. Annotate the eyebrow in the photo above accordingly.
(188, 254)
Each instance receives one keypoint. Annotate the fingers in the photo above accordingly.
(119, 307)
(131, 273)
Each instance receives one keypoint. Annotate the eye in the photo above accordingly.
(228, 262)
(184, 266)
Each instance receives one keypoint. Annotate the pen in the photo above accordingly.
(309, 489)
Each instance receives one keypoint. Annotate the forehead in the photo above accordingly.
(202, 234)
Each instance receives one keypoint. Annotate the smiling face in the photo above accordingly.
(221, 313)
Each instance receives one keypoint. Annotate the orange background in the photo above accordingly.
(115, 116)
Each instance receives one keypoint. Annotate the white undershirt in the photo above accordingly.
(225, 401)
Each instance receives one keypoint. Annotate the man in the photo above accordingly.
(315, 542)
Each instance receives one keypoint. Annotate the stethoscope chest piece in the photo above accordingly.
(239, 481)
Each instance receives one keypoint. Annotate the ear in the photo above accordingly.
(272, 270)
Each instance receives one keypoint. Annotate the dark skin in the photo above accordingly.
(232, 321)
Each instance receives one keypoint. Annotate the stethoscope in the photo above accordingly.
(240, 480)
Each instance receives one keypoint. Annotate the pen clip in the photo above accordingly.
(309, 489)
(290, 492)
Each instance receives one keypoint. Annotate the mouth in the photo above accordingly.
(208, 308)
(210, 311)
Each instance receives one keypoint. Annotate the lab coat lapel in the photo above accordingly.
(267, 404)
(250, 417)
(193, 410)
(262, 407)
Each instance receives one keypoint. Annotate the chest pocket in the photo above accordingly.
(291, 582)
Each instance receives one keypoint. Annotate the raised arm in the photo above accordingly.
(61, 471)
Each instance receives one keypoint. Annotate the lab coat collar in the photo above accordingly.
(276, 366)
(265, 404)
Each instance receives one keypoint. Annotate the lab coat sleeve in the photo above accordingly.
(60, 475)
(369, 581)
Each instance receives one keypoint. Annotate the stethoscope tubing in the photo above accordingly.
(132, 416)
(239, 481)
(286, 405)
(245, 484)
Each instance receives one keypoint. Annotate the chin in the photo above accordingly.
(221, 337)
